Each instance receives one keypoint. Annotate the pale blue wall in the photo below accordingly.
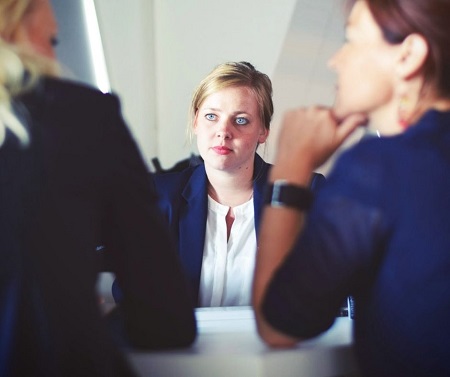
(73, 47)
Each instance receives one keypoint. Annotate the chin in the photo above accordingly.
(217, 165)
(340, 113)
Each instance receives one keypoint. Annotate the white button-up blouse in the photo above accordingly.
(227, 268)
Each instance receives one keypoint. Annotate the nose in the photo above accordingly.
(224, 129)
(333, 60)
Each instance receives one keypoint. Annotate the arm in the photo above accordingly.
(307, 138)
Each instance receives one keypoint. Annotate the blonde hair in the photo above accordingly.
(232, 74)
(15, 61)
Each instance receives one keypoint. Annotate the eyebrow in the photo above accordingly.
(211, 109)
(219, 110)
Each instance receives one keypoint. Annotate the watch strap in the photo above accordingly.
(283, 194)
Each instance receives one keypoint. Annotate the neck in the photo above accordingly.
(385, 120)
(230, 189)
(442, 104)
(428, 103)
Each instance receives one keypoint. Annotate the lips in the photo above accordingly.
(222, 150)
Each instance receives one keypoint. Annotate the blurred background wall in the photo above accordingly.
(157, 51)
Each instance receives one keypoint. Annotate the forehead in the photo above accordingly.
(362, 22)
(233, 96)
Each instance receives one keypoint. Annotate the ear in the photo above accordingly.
(414, 51)
(263, 135)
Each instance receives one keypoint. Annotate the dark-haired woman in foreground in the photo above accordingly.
(379, 228)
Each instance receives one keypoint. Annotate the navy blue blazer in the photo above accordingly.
(81, 181)
(183, 200)
(379, 231)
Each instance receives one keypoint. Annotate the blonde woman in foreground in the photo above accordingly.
(71, 177)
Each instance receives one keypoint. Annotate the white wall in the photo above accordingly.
(157, 52)
(128, 41)
(193, 36)
(302, 76)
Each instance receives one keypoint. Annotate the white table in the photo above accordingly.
(228, 346)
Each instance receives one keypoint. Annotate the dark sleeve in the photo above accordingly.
(317, 181)
(334, 257)
(156, 305)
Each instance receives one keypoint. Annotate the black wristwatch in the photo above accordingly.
(282, 194)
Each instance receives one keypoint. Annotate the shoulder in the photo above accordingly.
(68, 117)
(66, 89)
(69, 97)
(261, 169)
(364, 171)
(369, 155)
(171, 179)
(62, 105)
(169, 185)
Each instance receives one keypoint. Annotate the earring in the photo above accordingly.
(403, 113)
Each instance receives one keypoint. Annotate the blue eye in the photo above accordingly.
(210, 116)
(241, 121)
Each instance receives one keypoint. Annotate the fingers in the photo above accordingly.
(313, 134)
(348, 125)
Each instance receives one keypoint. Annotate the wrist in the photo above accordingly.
(281, 193)
(295, 175)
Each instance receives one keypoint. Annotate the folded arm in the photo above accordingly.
(307, 138)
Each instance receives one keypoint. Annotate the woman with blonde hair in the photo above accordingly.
(70, 177)
(379, 229)
(214, 208)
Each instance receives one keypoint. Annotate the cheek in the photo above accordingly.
(250, 143)
(364, 87)
(202, 129)
(379, 84)
(41, 43)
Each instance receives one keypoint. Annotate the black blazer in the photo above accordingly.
(79, 184)
(183, 200)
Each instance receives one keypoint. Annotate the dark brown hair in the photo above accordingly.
(429, 18)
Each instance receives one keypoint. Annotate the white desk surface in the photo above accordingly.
(228, 346)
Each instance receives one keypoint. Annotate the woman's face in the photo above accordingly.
(365, 66)
(229, 128)
(39, 28)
